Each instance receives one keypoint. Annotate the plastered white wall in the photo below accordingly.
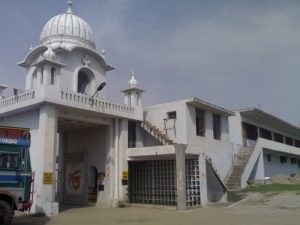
(275, 167)
(67, 77)
(220, 151)
(156, 115)
(93, 142)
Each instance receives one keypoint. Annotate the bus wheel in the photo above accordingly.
(6, 213)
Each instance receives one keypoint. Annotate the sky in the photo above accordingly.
(233, 53)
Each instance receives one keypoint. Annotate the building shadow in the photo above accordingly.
(30, 219)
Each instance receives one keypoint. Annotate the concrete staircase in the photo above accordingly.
(156, 133)
(233, 182)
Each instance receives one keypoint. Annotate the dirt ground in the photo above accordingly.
(256, 209)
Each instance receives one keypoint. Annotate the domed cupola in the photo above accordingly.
(133, 94)
(133, 83)
(49, 54)
(67, 29)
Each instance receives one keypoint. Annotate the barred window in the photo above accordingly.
(293, 161)
(283, 159)
(278, 137)
(251, 131)
(289, 141)
(266, 134)
(297, 143)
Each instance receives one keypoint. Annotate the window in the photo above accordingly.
(251, 131)
(297, 143)
(278, 137)
(53, 72)
(83, 82)
(289, 141)
(283, 159)
(266, 134)
(8, 161)
(171, 115)
(293, 161)
(42, 76)
(269, 157)
(34, 79)
(200, 122)
(299, 163)
(131, 134)
(217, 126)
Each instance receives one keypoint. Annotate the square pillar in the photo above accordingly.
(106, 196)
(203, 179)
(180, 176)
(116, 162)
(123, 164)
(48, 135)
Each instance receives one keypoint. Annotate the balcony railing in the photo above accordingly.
(53, 94)
(73, 97)
(19, 98)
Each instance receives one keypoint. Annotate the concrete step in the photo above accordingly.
(236, 172)
(236, 181)
(232, 180)
(233, 187)
(238, 165)
(233, 184)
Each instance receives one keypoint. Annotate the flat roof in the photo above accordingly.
(209, 106)
(198, 103)
(269, 119)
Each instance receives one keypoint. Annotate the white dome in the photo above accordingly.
(68, 28)
(49, 54)
(133, 82)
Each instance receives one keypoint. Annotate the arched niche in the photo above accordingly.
(33, 81)
(85, 81)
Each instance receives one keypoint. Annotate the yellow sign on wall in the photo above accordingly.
(125, 175)
(47, 178)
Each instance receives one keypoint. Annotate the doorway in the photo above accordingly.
(75, 179)
(92, 184)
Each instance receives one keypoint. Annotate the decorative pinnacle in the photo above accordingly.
(70, 3)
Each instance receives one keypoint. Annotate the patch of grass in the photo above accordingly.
(273, 188)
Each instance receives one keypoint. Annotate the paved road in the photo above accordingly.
(259, 209)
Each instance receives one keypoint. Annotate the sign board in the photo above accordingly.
(125, 175)
(47, 178)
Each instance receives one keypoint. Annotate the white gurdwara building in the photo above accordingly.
(92, 150)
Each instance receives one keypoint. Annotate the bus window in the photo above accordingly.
(8, 161)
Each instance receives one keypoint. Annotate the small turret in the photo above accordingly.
(133, 94)
(2, 88)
